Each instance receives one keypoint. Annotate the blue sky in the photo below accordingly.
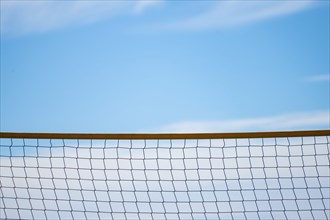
(164, 66)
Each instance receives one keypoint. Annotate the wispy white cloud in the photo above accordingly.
(319, 78)
(22, 17)
(232, 13)
(293, 121)
(143, 5)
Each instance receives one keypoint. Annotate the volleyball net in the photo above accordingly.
(270, 175)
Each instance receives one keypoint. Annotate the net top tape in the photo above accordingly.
(162, 136)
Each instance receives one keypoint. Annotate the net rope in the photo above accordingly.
(260, 178)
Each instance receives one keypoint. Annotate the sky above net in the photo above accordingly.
(160, 66)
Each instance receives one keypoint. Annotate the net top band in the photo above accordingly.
(162, 136)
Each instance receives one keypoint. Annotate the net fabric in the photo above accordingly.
(264, 178)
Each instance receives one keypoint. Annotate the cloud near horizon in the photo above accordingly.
(319, 78)
(292, 121)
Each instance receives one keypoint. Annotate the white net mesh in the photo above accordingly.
(263, 178)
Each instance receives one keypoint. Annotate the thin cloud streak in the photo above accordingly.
(293, 121)
(319, 78)
(20, 17)
(143, 5)
(232, 13)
